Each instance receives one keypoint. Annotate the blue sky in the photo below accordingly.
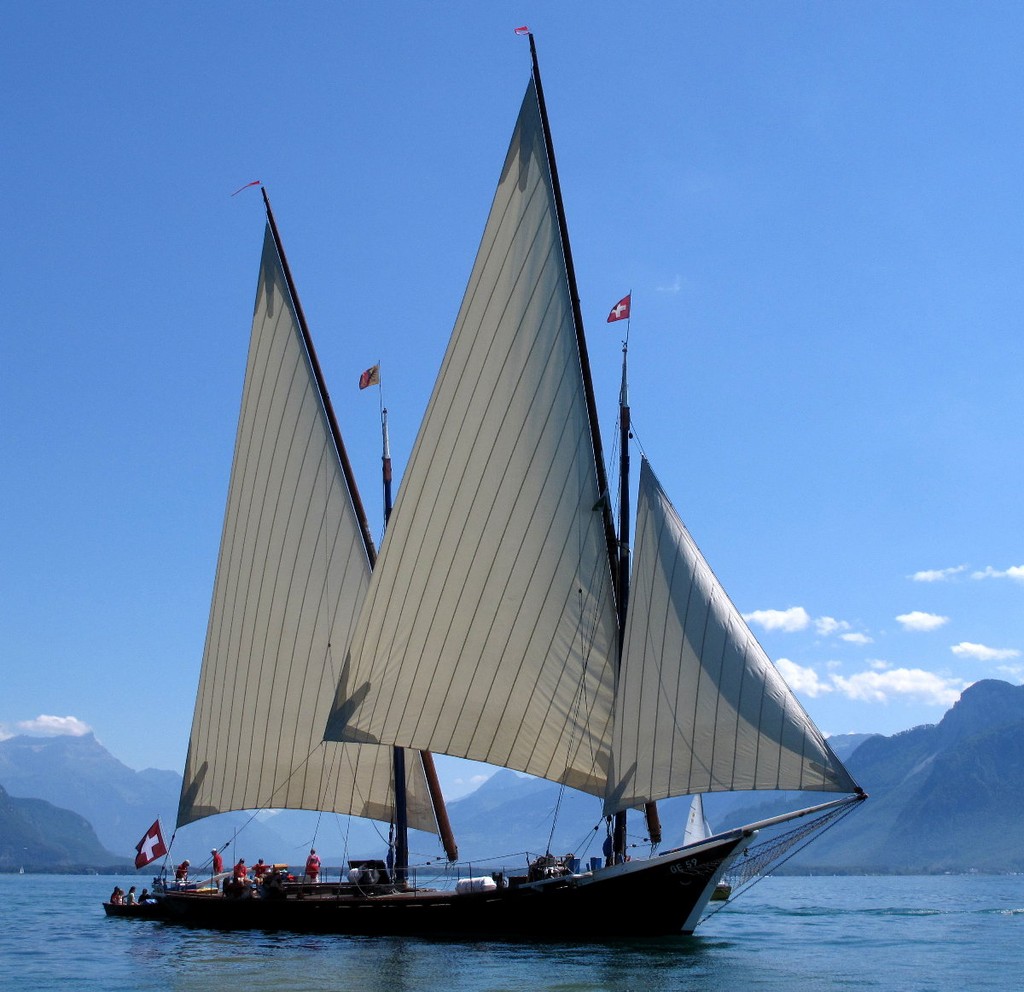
(817, 207)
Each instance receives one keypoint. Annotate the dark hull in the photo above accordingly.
(661, 896)
(149, 910)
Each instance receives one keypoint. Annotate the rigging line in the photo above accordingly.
(636, 438)
(806, 833)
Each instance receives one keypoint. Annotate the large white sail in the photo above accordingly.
(489, 630)
(700, 706)
(291, 575)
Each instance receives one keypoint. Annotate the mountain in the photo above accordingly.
(37, 835)
(78, 773)
(947, 797)
(944, 797)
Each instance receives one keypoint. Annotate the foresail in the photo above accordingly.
(291, 576)
(701, 707)
(489, 629)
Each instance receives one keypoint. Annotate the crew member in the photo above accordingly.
(312, 866)
(181, 872)
(218, 862)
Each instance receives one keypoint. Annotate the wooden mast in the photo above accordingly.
(625, 433)
(618, 545)
(401, 798)
(581, 343)
(440, 812)
(332, 420)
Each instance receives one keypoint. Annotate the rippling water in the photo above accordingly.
(943, 934)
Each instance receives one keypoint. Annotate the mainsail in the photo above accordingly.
(489, 631)
(292, 573)
(700, 707)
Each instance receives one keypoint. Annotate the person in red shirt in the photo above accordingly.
(312, 866)
(258, 871)
(218, 862)
(241, 872)
(181, 872)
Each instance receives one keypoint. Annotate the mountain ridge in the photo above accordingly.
(944, 797)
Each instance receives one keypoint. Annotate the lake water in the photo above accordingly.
(941, 934)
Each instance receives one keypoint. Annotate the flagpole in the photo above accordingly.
(386, 450)
(625, 432)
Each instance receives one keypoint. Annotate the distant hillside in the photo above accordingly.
(36, 835)
(78, 773)
(948, 797)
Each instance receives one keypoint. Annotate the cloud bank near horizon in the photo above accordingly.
(46, 725)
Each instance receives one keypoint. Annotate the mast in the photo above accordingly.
(386, 464)
(332, 420)
(625, 432)
(618, 546)
(577, 315)
(401, 805)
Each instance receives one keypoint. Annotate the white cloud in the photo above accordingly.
(878, 665)
(54, 726)
(795, 618)
(674, 287)
(916, 620)
(881, 686)
(856, 638)
(937, 574)
(1013, 572)
(965, 649)
(801, 679)
(830, 625)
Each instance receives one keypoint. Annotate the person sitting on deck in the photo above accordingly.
(145, 898)
(116, 897)
(312, 866)
(258, 871)
(132, 900)
(237, 884)
(181, 872)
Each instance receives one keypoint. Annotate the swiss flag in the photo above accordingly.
(151, 846)
(621, 310)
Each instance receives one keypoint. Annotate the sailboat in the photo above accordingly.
(506, 620)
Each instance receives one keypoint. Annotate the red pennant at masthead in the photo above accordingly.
(150, 847)
(371, 377)
(621, 310)
(523, 30)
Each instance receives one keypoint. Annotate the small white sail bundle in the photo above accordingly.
(700, 707)
(291, 576)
